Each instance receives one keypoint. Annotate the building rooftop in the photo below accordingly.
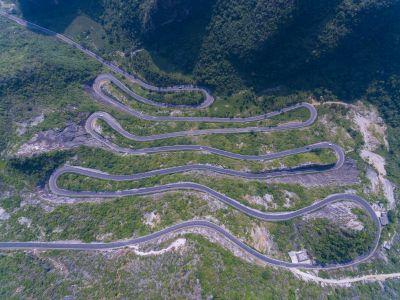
(302, 256)
(384, 219)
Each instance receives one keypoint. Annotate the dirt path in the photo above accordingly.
(317, 103)
(344, 281)
(179, 243)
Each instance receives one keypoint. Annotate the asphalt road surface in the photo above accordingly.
(265, 216)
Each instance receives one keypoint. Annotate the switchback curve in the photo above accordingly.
(97, 87)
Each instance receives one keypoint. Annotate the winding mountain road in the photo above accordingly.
(209, 99)
(265, 216)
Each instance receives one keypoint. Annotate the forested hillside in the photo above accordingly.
(254, 56)
(341, 48)
(344, 50)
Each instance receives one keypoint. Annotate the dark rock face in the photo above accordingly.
(70, 137)
(346, 175)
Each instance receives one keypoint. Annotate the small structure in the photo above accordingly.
(387, 245)
(384, 219)
(300, 257)
(8, 7)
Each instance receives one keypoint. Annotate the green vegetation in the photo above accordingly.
(327, 241)
(236, 188)
(36, 77)
(241, 104)
(247, 143)
(59, 274)
(115, 219)
(293, 46)
(338, 55)
(144, 65)
(116, 164)
(185, 98)
(330, 244)
(39, 168)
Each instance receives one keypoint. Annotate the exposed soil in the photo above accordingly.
(373, 130)
(175, 245)
(343, 281)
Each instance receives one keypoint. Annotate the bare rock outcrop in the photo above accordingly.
(339, 213)
(346, 175)
(54, 139)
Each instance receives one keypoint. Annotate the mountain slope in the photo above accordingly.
(338, 48)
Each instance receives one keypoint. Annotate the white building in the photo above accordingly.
(300, 257)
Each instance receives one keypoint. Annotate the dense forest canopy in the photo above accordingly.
(346, 48)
